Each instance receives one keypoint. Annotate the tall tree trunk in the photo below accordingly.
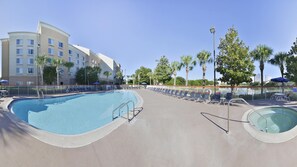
(204, 70)
(283, 84)
(262, 69)
(41, 75)
(174, 80)
(187, 71)
(203, 79)
(58, 79)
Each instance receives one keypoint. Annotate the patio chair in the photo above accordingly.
(216, 98)
(183, 95)
(180, 94)
(228, 97)
(190, 96)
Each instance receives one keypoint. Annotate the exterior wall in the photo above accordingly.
(5, 59)
(91, 59)
(23, 57)
(78, 58)
(50, 32)
(22, 80)
(108, 64)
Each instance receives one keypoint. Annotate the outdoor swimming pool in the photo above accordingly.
(72, 115)
(274, 119)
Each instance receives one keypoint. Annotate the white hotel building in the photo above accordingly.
(20, 49)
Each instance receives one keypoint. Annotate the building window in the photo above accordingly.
(77, 56)
(70, 52)
(69, 59)
(83, 63)
(51, 51)
(19, 51)
(83, 58)
(19, 70)
(61, 53)
(30, 70)
(60, 44)
(30, 61)
(51, 41)
(30, 51)
(19, 42)
(77, 62)
(19, 61)
(30, 42)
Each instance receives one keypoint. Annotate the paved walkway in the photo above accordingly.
(168, 132)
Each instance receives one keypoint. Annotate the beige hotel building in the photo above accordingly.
(20, 49)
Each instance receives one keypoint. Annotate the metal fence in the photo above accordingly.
(48, 90)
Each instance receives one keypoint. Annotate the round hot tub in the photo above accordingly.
(272, 124)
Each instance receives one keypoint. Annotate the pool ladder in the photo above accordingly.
(118, 109)
(241, 99)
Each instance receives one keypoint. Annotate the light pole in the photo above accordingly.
(213, 31)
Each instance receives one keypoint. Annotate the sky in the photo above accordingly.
(138, 32)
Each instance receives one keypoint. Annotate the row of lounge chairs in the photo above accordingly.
(78, 89)
(198, 96)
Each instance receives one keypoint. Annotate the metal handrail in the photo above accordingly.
(128, 109)
(241, 99)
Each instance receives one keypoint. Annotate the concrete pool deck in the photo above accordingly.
(168, 132)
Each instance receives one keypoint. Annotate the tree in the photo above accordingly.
(49, 74)
(180, 81)
(143, 72)
(234, 63)
(68, 65)
(175, 66)
(57, 63)
(97, 70)
(86, 75)
(280, 60)
(150, 75)
(162, 71)
(291, 66)
(261, 54)
(291, 63)
(107, 74)
(133, 77)
(203, 57)
(41, 61)
(186, 61)
(119, 76)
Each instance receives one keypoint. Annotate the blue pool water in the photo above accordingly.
(71, 115)
(279, 119)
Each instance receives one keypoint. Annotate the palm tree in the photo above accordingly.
(280, 60)
(175, 66)
(57, 63)
(41, 61)
(186, 61)
(107, 74)
(261, 54)
(150, 75)
(98, 71)
(68, 65)
(203, 57)
(133, 78)
(119, 76)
